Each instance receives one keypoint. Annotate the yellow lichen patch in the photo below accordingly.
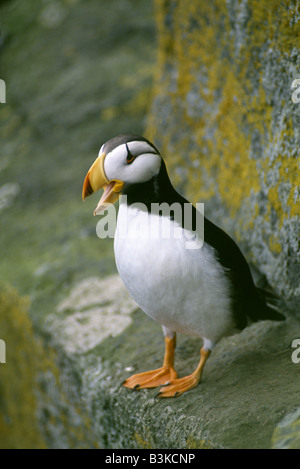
(193, 443)
(165, 46)
(290, 172)
(274, 199)
(283, 191)
(232, 150)
(142, 443)
(275, 246)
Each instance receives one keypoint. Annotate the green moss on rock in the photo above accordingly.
(25, 359)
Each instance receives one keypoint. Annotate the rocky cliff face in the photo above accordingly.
(226, 115)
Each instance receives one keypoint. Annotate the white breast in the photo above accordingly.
(183, 289)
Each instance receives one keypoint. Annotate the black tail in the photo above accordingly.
(268, 306)
(270, 313)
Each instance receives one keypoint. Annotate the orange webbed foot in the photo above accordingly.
(154, 378)
(151, 379)
(177, 387)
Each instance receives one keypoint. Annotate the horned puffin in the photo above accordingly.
(204, 290)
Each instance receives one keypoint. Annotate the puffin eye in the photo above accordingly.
(130, 156)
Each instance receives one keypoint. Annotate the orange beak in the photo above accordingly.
(96, 179)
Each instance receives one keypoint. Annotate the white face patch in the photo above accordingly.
(145, 165)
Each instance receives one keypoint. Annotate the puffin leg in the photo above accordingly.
(176, 387)
(154, 378)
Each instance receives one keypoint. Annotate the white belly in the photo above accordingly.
(183, 289)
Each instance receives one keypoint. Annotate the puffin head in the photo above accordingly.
(122, 162)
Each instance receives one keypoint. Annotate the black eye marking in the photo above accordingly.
(130, 156)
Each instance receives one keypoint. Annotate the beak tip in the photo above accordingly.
(87, 188)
